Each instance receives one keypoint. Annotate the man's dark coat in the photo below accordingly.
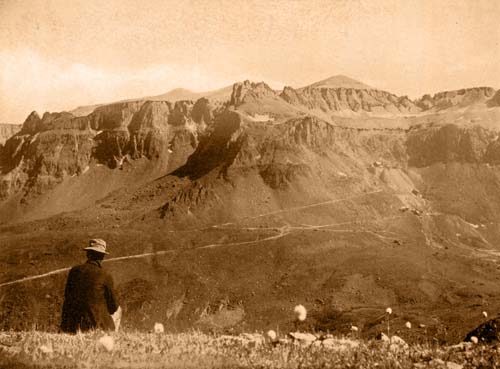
(88, 299)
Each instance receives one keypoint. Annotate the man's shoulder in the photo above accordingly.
(86, 266)
(89, 268)
(75, 268)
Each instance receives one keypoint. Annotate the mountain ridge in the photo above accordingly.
(335, 82)
(174, 95)
(340, 81)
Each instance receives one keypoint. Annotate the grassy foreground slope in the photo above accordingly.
(195, 350)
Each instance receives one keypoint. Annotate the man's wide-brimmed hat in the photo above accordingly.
(98, 245)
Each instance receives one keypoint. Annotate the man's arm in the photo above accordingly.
(67, 324)
(110, 296)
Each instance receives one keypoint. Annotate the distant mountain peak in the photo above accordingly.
(340, 81)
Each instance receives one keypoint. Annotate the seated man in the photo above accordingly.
(89, 299)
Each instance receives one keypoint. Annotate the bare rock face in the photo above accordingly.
(249, 91)
(147, 132)
(44, 152)
(139, 130)
(114, 116)
(457, 98)
(495, 100)
(48, 149)
(202, 112)
(341, 99)
(218, 149)
(451, 143)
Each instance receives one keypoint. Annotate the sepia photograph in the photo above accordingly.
(275, 184)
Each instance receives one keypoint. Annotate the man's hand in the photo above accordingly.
(117, 317)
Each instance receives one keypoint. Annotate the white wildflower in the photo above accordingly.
(474, 339)
(46, 349)
(384, 337)
(388, 311)
(485, 314)
(408, 325)
(158, 328)
(301, 312)
(271, 335)
(107, 342)
(354, 328)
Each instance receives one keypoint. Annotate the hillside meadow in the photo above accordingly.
(35, 349)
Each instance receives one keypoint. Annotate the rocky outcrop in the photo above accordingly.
(138, 130)
(48, 149)
(320, 136)
(250, 92)
(7, 131)
(277, 150)
(44, 152)
(218, 149)
(342, 100)
(487, 332)
(458, 98)
(452, 143)
(495, 100)
(114, 116)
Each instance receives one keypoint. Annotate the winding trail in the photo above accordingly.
(313, 205)
(282, 232)
(286, 210)
(25, 279)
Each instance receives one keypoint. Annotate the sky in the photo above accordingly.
(59, 54)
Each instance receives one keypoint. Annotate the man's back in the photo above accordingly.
(88, 299)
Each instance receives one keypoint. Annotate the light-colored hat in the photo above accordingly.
(98, 245)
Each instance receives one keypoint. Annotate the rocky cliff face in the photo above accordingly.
(349, 100)
(7, 131)
(495, 100)
(247, 91)
(60, 145)
(452, 143)
(324, 98)
(458, 98)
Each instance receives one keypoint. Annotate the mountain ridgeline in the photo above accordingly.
(46, 150)
(225, 209)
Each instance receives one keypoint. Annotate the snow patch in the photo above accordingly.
(261, 118)
(33, 139)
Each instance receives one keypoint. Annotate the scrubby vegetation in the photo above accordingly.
(198, 350)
